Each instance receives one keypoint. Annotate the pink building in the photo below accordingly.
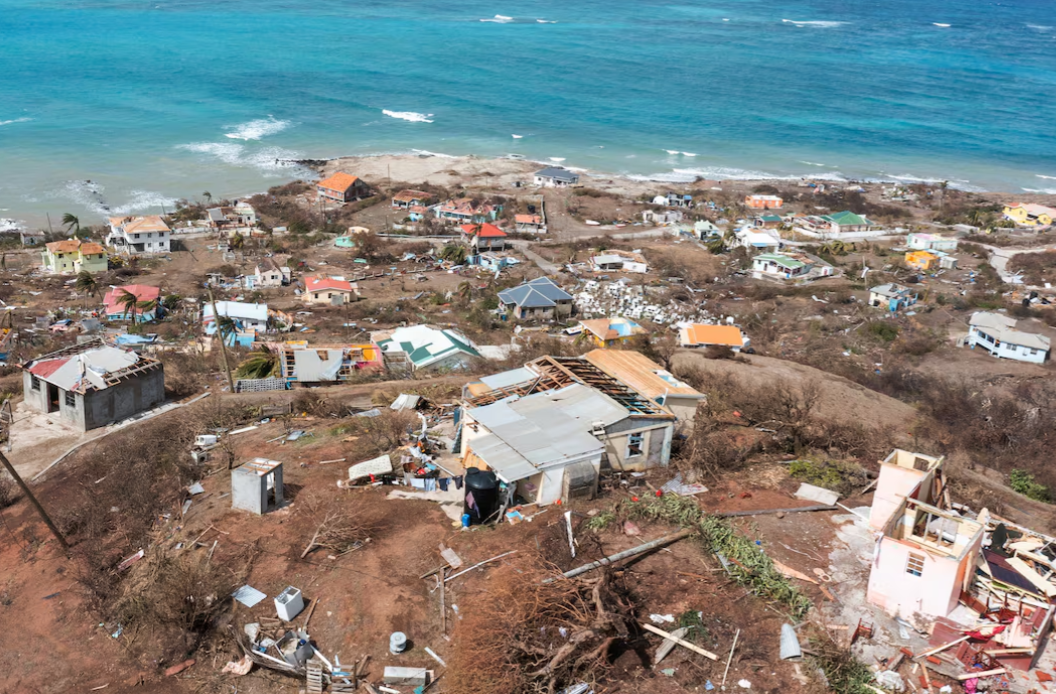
(925, 553)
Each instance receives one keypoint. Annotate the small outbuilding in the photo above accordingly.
(256, 486)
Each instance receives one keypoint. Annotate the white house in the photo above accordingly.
(931, 242)
(789, 266)
(269, 273)
(749, 238)
(556, 177)
(246, 316)
(618, 262)
(419, 347)
(997, 334)
(893, 297)
(139, 235)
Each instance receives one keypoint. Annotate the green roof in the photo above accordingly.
(846, 218)
(782, 260)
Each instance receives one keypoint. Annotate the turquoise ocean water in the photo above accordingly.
(157, 99)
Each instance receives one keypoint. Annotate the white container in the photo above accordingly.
(289, 603)
(203, 440)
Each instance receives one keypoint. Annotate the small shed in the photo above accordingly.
(256, 486)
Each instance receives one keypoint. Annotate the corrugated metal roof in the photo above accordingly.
(509, 378)
(542, 430)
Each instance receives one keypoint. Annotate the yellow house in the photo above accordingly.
(1029, 214)
(922, 260)
(608, 332)
(74, 256)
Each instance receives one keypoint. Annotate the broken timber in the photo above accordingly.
(800, 509)
(667, 539)
(680, 642)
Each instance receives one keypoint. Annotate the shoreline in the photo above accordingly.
(501, 172)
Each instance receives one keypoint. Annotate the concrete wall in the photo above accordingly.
(656, 444)
(892, 486)
(934, 593)
(249, 490)
(129, 397)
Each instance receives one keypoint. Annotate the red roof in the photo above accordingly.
(339, 181)
(143, 292)
(484, 231)
(43, 369)
(314, 284)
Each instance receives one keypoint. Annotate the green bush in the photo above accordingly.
(838, 475)
(1023, 482)
(884, 331)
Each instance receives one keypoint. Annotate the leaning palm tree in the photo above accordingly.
(86, 285)
(465, 291)
(208, 196)
(147, 306)
(260, 364)
(171, 301)
(72, 224)
(130, 302)
(453, 252)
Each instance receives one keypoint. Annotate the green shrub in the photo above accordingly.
(883, 330)
(838, 475)
(1023, 482)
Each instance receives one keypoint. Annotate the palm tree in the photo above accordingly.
(171, 302)
(465, 291)
(129, 301)
(261, 364)
(225, 326)
(71, 222)
(453, 252)
(147, 306)
(86, 285)
(208, 196)
(237, 241)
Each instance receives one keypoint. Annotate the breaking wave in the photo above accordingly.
(90, 195)
(944, 26)
(15, 120)
(409, 116)
(722, 173)
(1047, 178)
(499, 19)
(257, 129)
(814, 23)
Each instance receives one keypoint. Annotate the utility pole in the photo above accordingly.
(33, 500)
(223, 343)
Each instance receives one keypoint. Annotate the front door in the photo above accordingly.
(53, 398)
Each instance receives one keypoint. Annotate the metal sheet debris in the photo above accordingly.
(248, 595)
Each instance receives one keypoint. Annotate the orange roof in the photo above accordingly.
(315, 284)
(409, 195)
(340, 181)
(140, 225)
(484, 231)
(68, 246)
(91, 249)
(528, 219)
(700, 334)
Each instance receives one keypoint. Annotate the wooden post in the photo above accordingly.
(223, 344)
(33, 500)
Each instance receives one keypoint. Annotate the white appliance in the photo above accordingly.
(289, 603)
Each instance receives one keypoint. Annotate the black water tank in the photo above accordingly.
(484, 487)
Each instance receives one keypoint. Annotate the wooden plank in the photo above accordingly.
(985, 673)
(760, 512)
(943, 647)
(680, 642)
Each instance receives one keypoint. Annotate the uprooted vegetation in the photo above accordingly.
(524, 635)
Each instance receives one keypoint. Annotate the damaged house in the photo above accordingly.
(978, 583)
(92, 385)
(551, 427)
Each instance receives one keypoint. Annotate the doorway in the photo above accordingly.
(53, 398)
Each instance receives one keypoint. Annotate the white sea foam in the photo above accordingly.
(517, 137)
(810, 163)
(1040, 191)
(722, 173)
(266, 160)
(499, 19)
(88, 195)
(557, 160)
(689, 154)
(8, 226)
(1047, 178)
(813, 23)
(427, 153)
(257, 129)
(15, 120)
(1040, 27)
(409, 116)
(671, 151)
(144, 201)
(725, 20)
(546, 21)
(944, 26)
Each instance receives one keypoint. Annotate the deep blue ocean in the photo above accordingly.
(157, 99)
